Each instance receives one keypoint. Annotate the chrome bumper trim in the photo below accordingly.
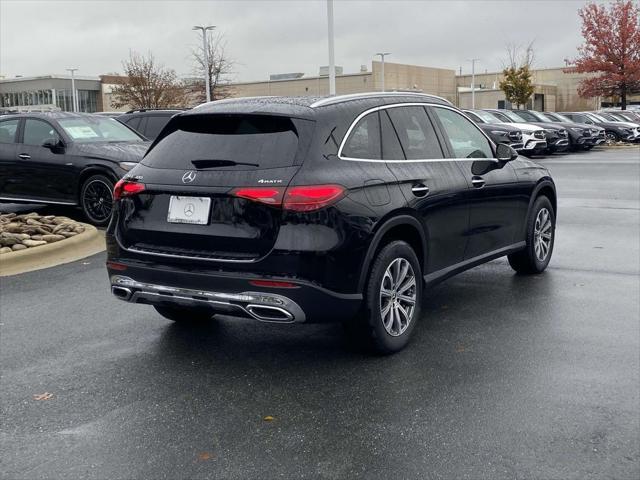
(265, 307)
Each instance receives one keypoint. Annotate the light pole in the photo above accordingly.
(205, 52)
(473, 82)
(332, 58)
(74, 106)
(382, 55)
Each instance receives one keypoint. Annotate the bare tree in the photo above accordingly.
(517, 57)
(148, 84)
(220, 69)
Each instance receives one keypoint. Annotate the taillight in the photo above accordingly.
(299, 199)
(268, 195)
(311, 197)
(126, 188)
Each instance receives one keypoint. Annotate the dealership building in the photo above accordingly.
(555, 89)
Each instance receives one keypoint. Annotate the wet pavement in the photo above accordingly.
(507, 376)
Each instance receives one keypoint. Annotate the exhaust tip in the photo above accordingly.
(266, 313)
(122, 293)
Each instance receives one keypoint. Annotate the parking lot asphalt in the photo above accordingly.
(507, 376)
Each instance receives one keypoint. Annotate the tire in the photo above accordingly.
(368, 328)
(588, 147)
(535, 257)
(96, 199)
(184, 315)
(612, 137)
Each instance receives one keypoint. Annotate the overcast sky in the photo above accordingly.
(265, 36)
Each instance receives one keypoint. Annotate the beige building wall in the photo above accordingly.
(436, 81)
(398, 76)
(312, 86)
(565, 84)
(489, 98)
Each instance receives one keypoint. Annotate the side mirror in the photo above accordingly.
(505, 153)
(53, 144)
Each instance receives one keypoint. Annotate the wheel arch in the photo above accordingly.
(89, 172)
(399, 227)
(547, 188)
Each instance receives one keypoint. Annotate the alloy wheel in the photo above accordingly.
(398, 296)
(98, 200)
(542, 234)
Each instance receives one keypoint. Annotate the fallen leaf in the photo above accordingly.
(268, 418)
(43, 396)
(460, 348)
(204, 456)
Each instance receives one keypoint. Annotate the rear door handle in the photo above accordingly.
(24, 156)
(420, 189)
(477, 182)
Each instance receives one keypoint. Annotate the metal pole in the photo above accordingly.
(382, 55)
(205, 52)
(332, 59)
(74, 106)
(473, 82)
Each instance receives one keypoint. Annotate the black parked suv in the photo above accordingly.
(66, 158)
(147, 122)
(615, 131)
(322, 209)
(557, 136)
(579, 136)
(495, 130)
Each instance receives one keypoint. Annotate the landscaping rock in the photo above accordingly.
(29, 230)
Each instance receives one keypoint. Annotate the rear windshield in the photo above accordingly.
(230, 142)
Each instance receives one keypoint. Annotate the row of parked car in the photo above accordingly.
(76, 159)
(537, 133)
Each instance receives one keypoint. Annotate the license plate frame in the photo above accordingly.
(189, 210)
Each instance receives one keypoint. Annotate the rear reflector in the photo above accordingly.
(272, 284)
(299, 199)
(116, 266)
(126, 188)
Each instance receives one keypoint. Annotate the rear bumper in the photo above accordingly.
(232, 295)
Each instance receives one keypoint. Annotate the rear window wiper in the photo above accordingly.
(212, 163)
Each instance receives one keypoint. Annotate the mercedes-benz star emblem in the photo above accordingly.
(189, 176)
(189, 209)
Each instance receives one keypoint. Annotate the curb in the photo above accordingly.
(87, 243)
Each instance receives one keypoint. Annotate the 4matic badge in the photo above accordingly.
(262, 180)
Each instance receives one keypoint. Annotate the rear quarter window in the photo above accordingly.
(237, 142)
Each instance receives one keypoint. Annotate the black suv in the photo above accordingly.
(557, 136)
(579, 136)
(497, 131)
(322, 209)
(147, 122)
(67, 159)
(615, 131)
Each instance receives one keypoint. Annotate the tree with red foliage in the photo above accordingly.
(611, 48)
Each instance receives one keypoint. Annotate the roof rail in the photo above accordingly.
(356, 96)
(140, 110)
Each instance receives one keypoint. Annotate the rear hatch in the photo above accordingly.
(212, 185)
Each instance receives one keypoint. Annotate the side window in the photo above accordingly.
(37, 131)
(391, 148)
(155, 123)
(465, 138)
(133, 122)
(417, 136)
(364, 141)
(8, 130)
